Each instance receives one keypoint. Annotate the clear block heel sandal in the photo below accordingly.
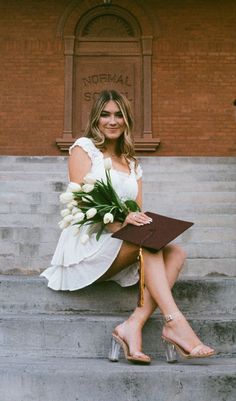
(114, 351)
(172, 348)
(116, 343)
(170, 352)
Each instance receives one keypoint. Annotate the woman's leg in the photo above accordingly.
(157, 283)
(131, 329)
(158, 293)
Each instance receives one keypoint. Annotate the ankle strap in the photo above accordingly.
(171, 316)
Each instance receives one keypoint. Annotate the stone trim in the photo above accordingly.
(83, 43)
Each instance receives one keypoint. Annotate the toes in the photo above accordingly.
(202, 350)
(141, 355)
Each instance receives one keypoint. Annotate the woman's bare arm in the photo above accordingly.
(79, 165)
(139, 198)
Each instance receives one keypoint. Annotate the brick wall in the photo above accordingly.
(32, 71)
(194, 76)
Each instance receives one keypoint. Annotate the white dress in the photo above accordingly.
(75, 265)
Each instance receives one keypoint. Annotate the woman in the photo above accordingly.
(76, 265)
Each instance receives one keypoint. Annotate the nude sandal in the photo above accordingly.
(116, 343)
(172, 348)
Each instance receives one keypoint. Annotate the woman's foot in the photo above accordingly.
(179, 332)
(131, 333)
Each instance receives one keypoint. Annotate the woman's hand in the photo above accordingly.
(137, 219)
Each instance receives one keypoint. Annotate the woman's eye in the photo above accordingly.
(104, 114)
(119, 115)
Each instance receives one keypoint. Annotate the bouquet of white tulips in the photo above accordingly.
(94, 201)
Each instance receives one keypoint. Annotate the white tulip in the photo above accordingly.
(84, 238)
(70, 205)
(90, 179)
(91, 213)
(87, 199)
(65, 212)
(68, 218)
(87, 188)
(66, 197)
(108, 218)
(107, 163)
(78, 217)
(63, 224)
(73, 187)
(75, 210)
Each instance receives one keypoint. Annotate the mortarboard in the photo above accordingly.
(153, 236)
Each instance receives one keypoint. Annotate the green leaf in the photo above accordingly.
(99, 233)
(132, 205)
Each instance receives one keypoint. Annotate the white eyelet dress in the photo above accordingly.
(75, 265)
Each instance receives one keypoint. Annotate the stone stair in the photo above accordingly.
(199, 189)
(54, 345)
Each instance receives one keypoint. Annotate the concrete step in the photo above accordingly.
(201, 221)
(188, 211)
(163, 177)
(208, 249)
(30, 294)
(21, 175)
(155, 191)
(197, 267)
(201, 267)
(225, 212)
(150, 183)
(196, 189)
(33, 163)
(57, 163)
(188, 176)
(73, 379)
(87, 336)
(186, 163)
(169, 188)
(12, 213)
(51, 234)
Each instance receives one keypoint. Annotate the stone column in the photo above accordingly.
(147, 86)
(67, 137)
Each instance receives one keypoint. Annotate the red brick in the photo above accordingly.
(194, 64)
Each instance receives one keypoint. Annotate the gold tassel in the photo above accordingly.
(141, 278)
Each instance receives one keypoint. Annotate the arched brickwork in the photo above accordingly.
(75, 10)
(106, 46)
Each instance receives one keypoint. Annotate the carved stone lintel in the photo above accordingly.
(147, 144)
(65, 142)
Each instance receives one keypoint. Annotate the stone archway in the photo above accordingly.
(107, 50)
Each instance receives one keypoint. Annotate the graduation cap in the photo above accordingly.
(153, 236)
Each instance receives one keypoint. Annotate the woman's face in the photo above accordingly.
(111, 122)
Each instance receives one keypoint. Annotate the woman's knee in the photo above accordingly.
(177, 253)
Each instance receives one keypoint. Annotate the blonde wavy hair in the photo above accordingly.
(125, 144)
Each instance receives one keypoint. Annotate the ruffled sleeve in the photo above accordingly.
(137, 170)
(88, 146)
